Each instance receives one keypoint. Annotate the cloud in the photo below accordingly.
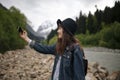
(89, 2)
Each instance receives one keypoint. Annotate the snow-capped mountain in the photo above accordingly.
(32, 34)
(45, 28)
(42, 32)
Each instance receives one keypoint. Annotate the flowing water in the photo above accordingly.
(110, 60)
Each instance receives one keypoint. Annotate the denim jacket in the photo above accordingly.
(69, 69)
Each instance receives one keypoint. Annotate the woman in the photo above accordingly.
(68, 64)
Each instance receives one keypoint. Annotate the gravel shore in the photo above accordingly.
(27, 64)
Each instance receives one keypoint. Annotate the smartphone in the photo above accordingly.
(20, 30)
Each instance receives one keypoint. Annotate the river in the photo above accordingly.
(110, 60)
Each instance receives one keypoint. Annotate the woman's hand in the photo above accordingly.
(24, 36)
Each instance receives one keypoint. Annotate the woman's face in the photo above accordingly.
(60, 32)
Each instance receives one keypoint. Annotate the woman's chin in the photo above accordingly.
(59, 37)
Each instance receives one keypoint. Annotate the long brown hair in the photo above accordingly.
(66, 40)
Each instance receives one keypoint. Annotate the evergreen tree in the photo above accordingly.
(107, 16)
(98, 16)
(90, 23)
(81, 21)
(51, 35)
(116, 12)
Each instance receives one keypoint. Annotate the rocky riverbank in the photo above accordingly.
(27, 64)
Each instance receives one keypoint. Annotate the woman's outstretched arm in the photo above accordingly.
(38, 46)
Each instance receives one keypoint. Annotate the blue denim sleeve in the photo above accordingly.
(45, 49)
(78, 67)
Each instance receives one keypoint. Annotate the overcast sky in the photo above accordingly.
(38, 11)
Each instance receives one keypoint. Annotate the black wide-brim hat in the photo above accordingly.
(69, 25)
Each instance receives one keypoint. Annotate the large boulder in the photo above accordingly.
(96, 72)
(114, 76)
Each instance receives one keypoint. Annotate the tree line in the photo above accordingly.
(93, 22)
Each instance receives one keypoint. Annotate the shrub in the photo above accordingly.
(53, 40)
(9, 37)
(111, 36)
(89, 40)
